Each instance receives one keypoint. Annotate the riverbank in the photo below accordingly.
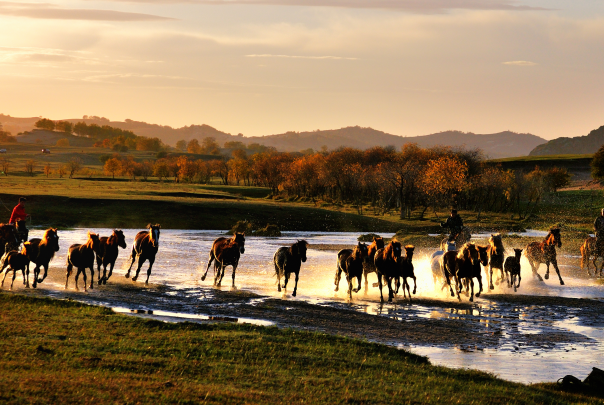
(67, 352)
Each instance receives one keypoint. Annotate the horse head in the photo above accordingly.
(517, 253)
(394, 250)
(51, 239)
(121, 239)
(483, 255)
(239, 239)
(154, 234)
(93, 241)
(360, 251)
(299, 249)
(409, 252)
(469, 252)
(557, 238)
(497, 244)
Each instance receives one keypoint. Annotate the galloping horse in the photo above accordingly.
(350, 261)
(512, 268)
(406, 271)
(288, 260)
(468, 270)
(545, 252)
(108, 252)
(145, 246)
(369, 263)
(41, 252)
(225, 252)
(436, 265)
(495, 252)
(464, 236)
(82, 257)
(453, 262)
(14, 261)
(589, 249)
(387, 267)
(8, 234)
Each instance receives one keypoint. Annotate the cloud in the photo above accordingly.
(52, 12)
(300, 57)
(417, 6)
(520, 63)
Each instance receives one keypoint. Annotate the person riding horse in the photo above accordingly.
(17, 218)
(599, 228)
(455, 225)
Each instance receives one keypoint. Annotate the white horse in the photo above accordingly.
(436, 264)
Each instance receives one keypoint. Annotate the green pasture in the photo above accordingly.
(63, 352)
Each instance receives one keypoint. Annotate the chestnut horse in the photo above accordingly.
(82, 257)
(545, 252)
(41, 251)
(387, 267)
(589, 249)
(350, 261)
(225, 252)
(512, 268)
(495, 252)
(14, 261)
(288, 260)
(369, 263)
(145, 246)
(406, 271)
(467, 273)
(108, 252)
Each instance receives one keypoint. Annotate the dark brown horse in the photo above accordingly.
(386, 265)
(369, 263)
(108, 252)
(459, 264)
(225, 252)
(8, 234)
(512, 268)
(145, 246)
(350, 261)
(545, 252)
(495, 252)
(41, 251)
(288, 260)
(590, 250)
(82, 257)
(467, 271)
(406, 271)
(14, 261)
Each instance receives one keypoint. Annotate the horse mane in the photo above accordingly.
(495, 241)
(113, 238)
(550, 238)
(465, 249)
(47, 232)
(291, 248)
(90, 241)
(357, 254)
(389, 250)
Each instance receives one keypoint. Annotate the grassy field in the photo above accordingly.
(63, 352)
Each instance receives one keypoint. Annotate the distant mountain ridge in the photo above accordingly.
(498, 145)
(589, 143)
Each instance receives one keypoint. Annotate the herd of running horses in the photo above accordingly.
(391, 262)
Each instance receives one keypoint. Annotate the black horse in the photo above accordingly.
(108, 252)
(145, 246)
(288, 260)
(350, 261)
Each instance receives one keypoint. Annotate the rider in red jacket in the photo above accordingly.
(18, 212)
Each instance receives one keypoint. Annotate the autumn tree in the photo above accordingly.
(30, 166)
(444, 177)
(45, 123)
(556, 178)
(5, 165)
(61, 171)
(64, 126)
(73, 166)
(47, 170)
(161, 169)
(210, 146)
(181, 145)
(193, 146)
(112, 165)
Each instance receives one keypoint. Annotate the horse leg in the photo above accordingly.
(296, 285)
(210, 259)
(27, 273)
(338, 277)
(139, 265)
(78, 271)
(14, 277)
(234, 270)
(285, 279)
(380, 286)
(45, 273)
(518, 286)
(69, 270)
(109, 274)
(360, 279)
(479, 284)
(535, 267)
(220, 274)
(5, 274)
(98, 270)
(491, 286)
(555, 264)
(91, 277)
(472, 287)
(390, 290)
(349, 280)
(132, 259)
(151, 261)
(366, 282)
(547, 271)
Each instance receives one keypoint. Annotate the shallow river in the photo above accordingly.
(183, 255)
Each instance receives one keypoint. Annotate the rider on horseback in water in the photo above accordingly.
(18, 218)
(599, 228)
(455, 225)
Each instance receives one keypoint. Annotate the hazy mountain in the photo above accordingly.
(499, 145)
(578, 145)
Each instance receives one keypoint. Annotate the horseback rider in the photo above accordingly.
(599, 228)
(18, 218)
(455, 225)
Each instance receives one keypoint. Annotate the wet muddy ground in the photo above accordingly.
(541, 333)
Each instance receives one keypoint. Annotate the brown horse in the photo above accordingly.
(8, 234)
(495, 253)
(14, 261)
(467, 273)
(108, 252)
(545, 252)
(225, 252)
(145, 246)
(82, 257)
(41, 251)
(369, 263)
(406, 271)
(350, 261)
(590, 249)
(512, 268)
(386, 265)
(460, 264)
(288, 260)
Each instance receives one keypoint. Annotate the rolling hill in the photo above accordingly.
(589, 143)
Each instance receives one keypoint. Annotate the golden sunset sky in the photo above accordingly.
(259, 67)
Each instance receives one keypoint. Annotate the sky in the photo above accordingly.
(261, 67)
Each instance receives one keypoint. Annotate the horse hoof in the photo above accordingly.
(203, 278)
(127, 275)
(547, 276)
(471, 299)
(336, 289)
(561, 282)
(515, 289)
(134, 278)
(477, 295)
(146, 283)
(105, 282)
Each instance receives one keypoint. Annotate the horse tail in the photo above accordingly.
(584, 254)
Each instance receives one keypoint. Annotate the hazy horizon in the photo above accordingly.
(261, 67)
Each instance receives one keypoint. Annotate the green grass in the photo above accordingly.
(63, 352)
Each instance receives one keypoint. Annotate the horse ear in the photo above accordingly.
(148, 226)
